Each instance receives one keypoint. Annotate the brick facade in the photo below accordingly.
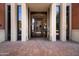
(2, 16)
(75, 16)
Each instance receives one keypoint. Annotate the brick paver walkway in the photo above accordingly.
(39, 47)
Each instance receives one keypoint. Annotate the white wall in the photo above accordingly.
(2, 35)
(75, 35)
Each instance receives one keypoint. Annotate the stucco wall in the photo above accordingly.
(2, 35)
(75, 22)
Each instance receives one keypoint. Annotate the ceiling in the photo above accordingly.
(39, 15)
(38, 7)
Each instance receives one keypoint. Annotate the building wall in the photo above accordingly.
(75, 22)
(2, 22)
(2, 16)
(75, 16)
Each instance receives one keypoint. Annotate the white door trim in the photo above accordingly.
(6, 35)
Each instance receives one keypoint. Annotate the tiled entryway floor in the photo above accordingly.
(36, 47)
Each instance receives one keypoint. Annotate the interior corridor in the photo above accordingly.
(39, 24)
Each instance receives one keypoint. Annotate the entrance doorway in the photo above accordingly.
(39, 24)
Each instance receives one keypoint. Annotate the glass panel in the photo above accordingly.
(57, 22)
(8, 22)
(19, 21)
(67, 22)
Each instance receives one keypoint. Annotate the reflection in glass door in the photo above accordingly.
(57, 22)
(18, 22)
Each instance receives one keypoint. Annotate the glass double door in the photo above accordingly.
(39, 27)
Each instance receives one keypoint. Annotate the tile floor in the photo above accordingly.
(39, 47)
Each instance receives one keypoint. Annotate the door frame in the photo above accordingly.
(6, 20)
